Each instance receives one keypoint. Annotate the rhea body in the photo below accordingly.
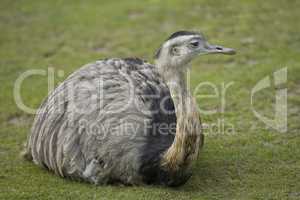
(124, 120)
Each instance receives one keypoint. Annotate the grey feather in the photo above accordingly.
(61, 143)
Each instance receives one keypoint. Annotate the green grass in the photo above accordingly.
(254, 162)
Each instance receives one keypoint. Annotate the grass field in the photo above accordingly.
(253, 161)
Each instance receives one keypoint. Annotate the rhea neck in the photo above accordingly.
(186, 143)
(176, 81)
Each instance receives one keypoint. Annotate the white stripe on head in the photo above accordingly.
(179, 40)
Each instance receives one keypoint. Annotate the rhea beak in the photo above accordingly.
(219, 49)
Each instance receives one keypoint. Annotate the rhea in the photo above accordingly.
(124, 120)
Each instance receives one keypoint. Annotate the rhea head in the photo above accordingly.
(181, 47)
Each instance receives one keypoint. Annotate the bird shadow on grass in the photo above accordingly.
(209, 175)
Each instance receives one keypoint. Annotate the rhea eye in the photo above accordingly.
(194, 44)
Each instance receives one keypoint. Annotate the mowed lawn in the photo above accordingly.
(243, 158)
